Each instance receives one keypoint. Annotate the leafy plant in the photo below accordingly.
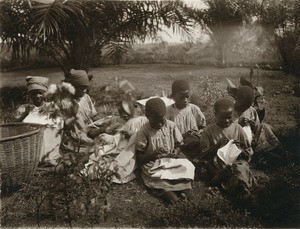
(69, 189)
(208, 93)
(72, 170)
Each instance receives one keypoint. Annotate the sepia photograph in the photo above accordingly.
(150, 113)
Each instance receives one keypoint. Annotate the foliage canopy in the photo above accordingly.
(74, 32)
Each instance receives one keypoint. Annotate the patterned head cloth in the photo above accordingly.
(245, 95)
(156, 107)
(179, 86)
(79, 78)
(37, 83)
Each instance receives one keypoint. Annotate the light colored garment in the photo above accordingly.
(52, 133)
(126, 159)
(133, 125)
(107, 146)
(86, 109)
(121, 150)
(242, 176)
(250, 114)
(126, 162)
(148, 141)
(213, 133)
(75, 138)
(248, 132)
(263, 138)
(189, 118)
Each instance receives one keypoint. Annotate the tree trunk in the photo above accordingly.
(222, 55)
(286, 46)
(296, 58)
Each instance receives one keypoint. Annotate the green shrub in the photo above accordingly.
(12, 96)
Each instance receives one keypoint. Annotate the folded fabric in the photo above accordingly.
(229, 153)
(101, 121)
(107, 144)
(173, 169)
(126, 162)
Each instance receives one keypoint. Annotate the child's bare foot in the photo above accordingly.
(187, 194)
(170, 197)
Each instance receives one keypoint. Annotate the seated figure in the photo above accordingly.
(33, 112)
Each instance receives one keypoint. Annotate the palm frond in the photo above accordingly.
(52, 21)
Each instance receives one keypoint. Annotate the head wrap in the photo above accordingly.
(245, 95)
(79, 78)
(224, 104)
(37, 83)
(156, 107)
(179, 86)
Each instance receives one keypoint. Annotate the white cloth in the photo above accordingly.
(167, 101)
(229, 153)
(119, 147)
(248, 132)
(173, 169)
(126, 162)
(52, 134)
(114, 145)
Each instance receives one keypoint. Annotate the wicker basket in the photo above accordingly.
(20, 146)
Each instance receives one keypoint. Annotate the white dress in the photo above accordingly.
(52, 133)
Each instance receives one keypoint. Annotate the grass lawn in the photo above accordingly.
(131, 205)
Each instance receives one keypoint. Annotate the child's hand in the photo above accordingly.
(174, 153)
(222, 142)
(125, 133)
(237, 143)
(244, 121)
(28, 108)
(160, 153)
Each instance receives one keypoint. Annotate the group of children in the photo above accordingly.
(180, 131)
(171, 141)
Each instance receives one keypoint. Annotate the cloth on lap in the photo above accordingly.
(172, 169)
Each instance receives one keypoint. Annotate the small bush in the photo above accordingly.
(11, 96)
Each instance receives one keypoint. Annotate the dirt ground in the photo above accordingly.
(276, 201)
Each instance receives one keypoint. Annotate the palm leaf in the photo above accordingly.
(52, 21)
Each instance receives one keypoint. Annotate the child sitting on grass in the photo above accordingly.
(157, 148)
(263, 141)
(236, 178)
(187, 116)
(34, 112)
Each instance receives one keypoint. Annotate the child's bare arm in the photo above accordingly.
(211, 151)
(94, 132)
(208, 153)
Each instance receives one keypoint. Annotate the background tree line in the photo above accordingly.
(76, 33)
